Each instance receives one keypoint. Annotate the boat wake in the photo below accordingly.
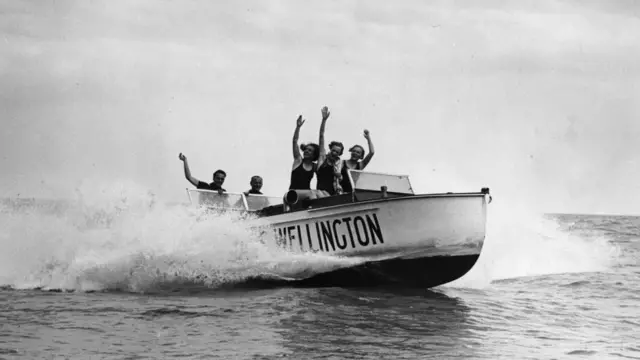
(125, 242)
(123, 239)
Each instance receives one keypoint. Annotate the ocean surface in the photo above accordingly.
(125, 277)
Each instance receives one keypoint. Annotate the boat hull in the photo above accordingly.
(422, 240)
(423, 272)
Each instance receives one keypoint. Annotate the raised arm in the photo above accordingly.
(297, 159)
(322, 153)
(367, 158)
(187, 171)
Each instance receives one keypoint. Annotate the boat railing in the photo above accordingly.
(231, 201)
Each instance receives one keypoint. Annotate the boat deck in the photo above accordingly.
(348, 198)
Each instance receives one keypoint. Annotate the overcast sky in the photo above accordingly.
(538, 100)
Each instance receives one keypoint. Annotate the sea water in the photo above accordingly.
(121, 275)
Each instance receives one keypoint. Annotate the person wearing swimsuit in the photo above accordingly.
(329, 173)
(303, 166)
(357, 161)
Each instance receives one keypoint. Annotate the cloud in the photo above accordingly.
(525, 97)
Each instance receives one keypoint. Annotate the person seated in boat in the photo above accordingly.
(358, 161)
(256, 185)
(254, 202)
(218, 178)
(304, 166)
(329, 172)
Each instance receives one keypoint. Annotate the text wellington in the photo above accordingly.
(339, 233)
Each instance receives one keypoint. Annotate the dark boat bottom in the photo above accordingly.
(423, 272)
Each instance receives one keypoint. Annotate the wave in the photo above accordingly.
(522, 244)
(122, 238)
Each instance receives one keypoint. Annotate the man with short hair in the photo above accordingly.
(218, 178)
(256, 185)
(255, 202)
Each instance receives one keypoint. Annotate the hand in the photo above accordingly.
(325, 113)
(366, 134)
(300, 121)
(182, 157)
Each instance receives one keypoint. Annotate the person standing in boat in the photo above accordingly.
(304, 166)
(329, 173)
(358, 161)
(218, 178)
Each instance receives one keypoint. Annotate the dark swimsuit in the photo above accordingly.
(301, 178)
(345, 183)
(325, 178)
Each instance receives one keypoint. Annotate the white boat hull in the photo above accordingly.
(426, 225)
(424, 240)
(397, 237)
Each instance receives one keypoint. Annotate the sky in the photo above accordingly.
(537, 100)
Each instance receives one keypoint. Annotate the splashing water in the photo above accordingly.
(122, 238)
(524, 244)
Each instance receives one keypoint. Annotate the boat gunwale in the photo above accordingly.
(373, 201)
(395, 198)
(351, 203)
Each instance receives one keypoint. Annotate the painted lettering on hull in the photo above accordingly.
(336, 234)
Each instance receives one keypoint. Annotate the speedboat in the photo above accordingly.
(397, 236)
